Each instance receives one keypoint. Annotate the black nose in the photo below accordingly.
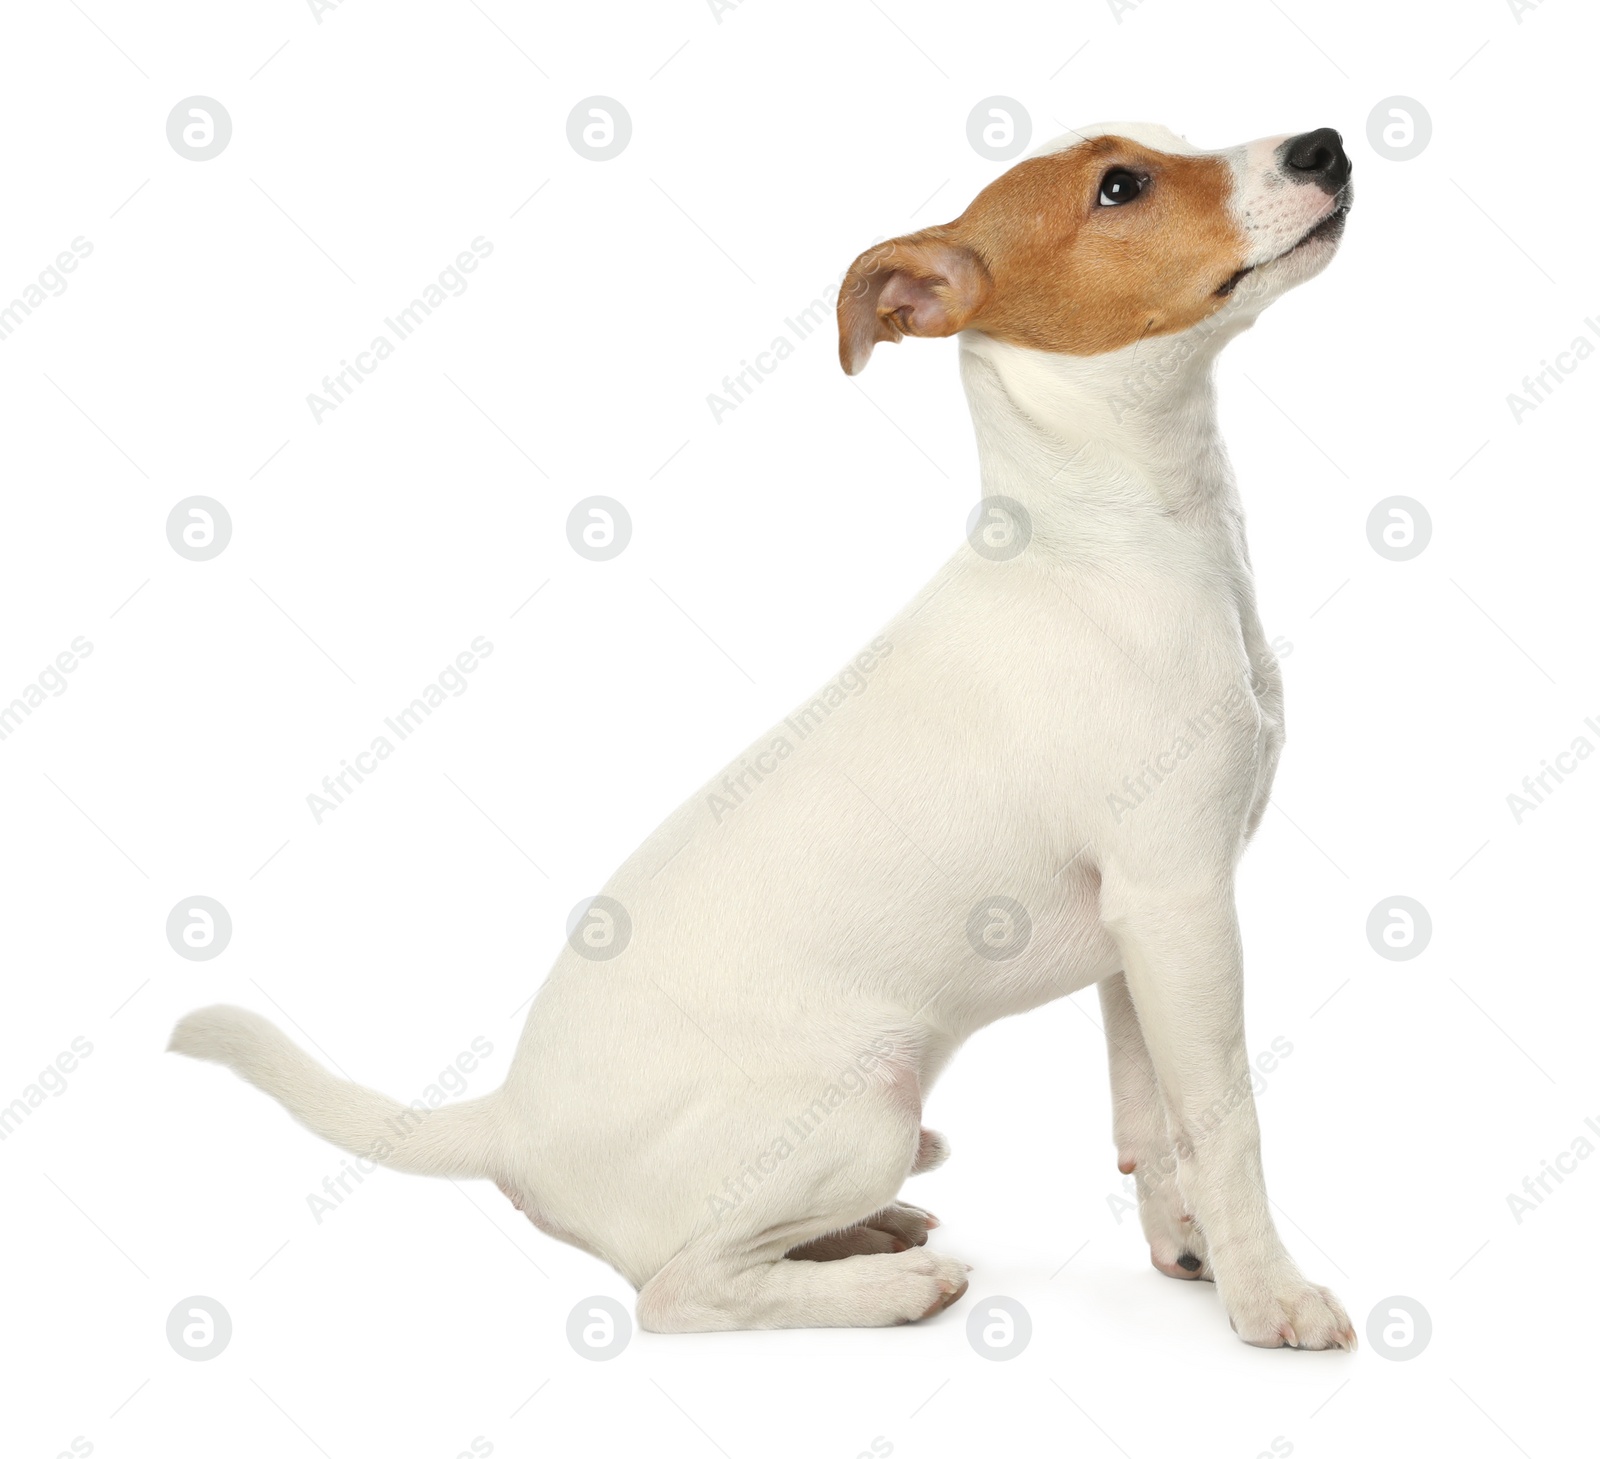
(1318, 157)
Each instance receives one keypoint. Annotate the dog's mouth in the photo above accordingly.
(1330, 227)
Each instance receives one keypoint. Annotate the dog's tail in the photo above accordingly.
(458, 1139)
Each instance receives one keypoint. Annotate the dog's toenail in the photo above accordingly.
(1189, 1262)
(948, 1297)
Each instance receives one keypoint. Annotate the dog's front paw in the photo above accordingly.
(1291, 1312)
(897, 1227)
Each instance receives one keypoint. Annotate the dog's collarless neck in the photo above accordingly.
(1063, 434)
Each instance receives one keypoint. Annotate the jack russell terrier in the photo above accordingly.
(1040, 776)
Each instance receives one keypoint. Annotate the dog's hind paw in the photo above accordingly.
(930, 1281)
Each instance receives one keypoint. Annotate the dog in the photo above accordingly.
(1040, 776)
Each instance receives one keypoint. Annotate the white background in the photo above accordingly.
(769, 147)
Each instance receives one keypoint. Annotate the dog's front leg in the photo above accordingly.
(1184, 970)
(1144, 1147)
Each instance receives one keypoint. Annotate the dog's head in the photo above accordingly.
(1105, 238)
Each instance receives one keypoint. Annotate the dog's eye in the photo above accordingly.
(1119, 186)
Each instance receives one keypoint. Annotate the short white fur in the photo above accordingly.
(805, 965)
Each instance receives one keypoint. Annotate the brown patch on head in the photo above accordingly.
(1037, 260)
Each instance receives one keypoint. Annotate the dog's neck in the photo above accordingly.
(1068, 436)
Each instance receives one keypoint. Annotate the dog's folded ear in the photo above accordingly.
(927, 283)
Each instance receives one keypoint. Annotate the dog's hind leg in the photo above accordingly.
(829, 1203)
(894, 1228)
(701, 1291)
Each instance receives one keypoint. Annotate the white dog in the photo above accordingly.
(1039, 776)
